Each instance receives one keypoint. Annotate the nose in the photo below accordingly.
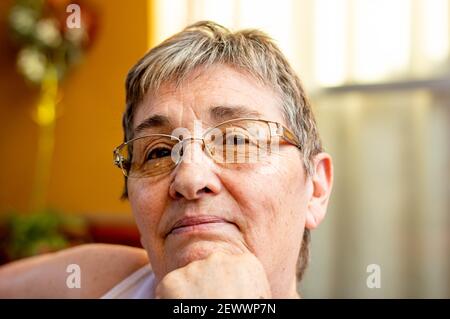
(194, 177)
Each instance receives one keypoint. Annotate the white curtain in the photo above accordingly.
(390, 204)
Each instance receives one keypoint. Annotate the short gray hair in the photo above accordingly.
(206, 43)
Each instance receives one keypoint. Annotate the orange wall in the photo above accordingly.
(83, 179)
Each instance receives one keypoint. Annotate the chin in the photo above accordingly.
(197, 250)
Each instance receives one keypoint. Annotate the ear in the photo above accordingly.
(322, 182)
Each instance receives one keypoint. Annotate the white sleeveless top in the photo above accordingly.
(139, 285)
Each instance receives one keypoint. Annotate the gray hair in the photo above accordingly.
(206, 43)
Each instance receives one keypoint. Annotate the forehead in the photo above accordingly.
(212, 95)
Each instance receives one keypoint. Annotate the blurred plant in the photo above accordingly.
(39, 28)
(47, 48)
(41, 232)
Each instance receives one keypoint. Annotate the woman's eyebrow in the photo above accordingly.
(217, 113)
(224, 113)
(154, 121)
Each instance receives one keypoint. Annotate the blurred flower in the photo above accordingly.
(82, 37)
(22, 20)
(40, 29)
(47, 32)
(32, 64)
(76, 36)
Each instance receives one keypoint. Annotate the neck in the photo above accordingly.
(286, 290)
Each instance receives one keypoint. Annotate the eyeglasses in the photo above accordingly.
(242, 140)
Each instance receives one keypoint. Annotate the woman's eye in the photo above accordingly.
(237, 140)
(158, 153)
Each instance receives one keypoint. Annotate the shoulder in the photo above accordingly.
(101, 267)
(114, 257)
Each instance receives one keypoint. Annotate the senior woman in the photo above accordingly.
(225, 175)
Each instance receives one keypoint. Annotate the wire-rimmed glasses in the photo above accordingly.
(242, 140)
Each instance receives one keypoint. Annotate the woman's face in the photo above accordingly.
(252, 207)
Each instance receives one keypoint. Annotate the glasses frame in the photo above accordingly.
(276, 130)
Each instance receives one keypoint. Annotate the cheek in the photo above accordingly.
(147, 204)
(272, 200)
(272, 197)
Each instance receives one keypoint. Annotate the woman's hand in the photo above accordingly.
(220, 275)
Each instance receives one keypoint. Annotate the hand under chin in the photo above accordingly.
(220, 275)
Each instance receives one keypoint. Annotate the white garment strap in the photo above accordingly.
(139, 285)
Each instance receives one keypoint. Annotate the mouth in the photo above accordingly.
(197, 223)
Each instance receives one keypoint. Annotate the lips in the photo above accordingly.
(195, 221)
